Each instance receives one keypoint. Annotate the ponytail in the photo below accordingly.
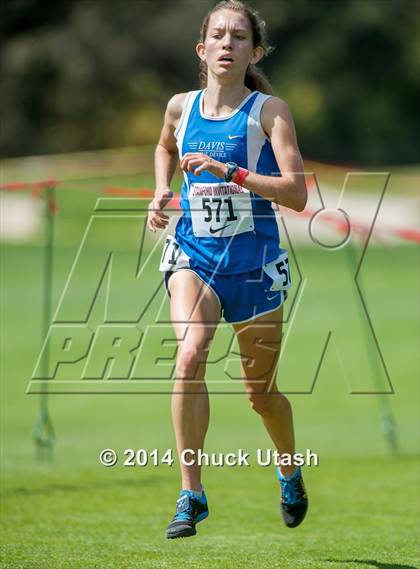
(256, 80)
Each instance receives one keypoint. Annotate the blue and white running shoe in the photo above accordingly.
(294, 501)
(190, 509)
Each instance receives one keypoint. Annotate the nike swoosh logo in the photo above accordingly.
(219, 228)
(230, 137)
(272, 297)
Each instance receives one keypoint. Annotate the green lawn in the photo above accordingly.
(75, 513)
(362, 515)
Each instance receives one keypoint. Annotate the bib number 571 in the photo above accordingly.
(218, 201)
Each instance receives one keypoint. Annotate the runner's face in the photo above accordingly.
(228, 47)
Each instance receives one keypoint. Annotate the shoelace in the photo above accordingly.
(184, 512)
(290, 490)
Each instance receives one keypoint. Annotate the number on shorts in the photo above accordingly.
(172, 259)
(283, 270)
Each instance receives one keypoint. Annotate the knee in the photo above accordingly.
(264, 403)
(260, 402)
(188, 361)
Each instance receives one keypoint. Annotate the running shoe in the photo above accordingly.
(294, 501)
(190, 510)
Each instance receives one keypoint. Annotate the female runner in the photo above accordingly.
(238, 152)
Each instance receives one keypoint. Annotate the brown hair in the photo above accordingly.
(254, 77)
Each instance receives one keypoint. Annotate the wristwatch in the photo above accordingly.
(231, 169)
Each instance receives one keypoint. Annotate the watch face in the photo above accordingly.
(232, 167)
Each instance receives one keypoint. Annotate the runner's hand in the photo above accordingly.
(156, 219)
(196, 162)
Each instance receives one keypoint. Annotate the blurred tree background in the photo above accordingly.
(89, 74)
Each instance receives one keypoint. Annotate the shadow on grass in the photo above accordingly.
(373, 563)
(46, 490)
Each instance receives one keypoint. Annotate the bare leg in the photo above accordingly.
(195, 313)
(259, 343)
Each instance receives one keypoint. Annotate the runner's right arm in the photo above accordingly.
(166, 158)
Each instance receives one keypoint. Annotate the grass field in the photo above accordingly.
(75, 513)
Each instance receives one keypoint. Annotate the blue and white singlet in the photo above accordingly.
(224, 227)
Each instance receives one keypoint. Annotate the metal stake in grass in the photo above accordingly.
(387, 418)
(43, 432)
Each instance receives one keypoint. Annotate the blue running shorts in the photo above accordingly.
(242, 297)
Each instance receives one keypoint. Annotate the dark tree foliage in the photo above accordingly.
(86, 74)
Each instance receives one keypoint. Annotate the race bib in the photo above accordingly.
(220, 210)
(173, 258)
(279, 271)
